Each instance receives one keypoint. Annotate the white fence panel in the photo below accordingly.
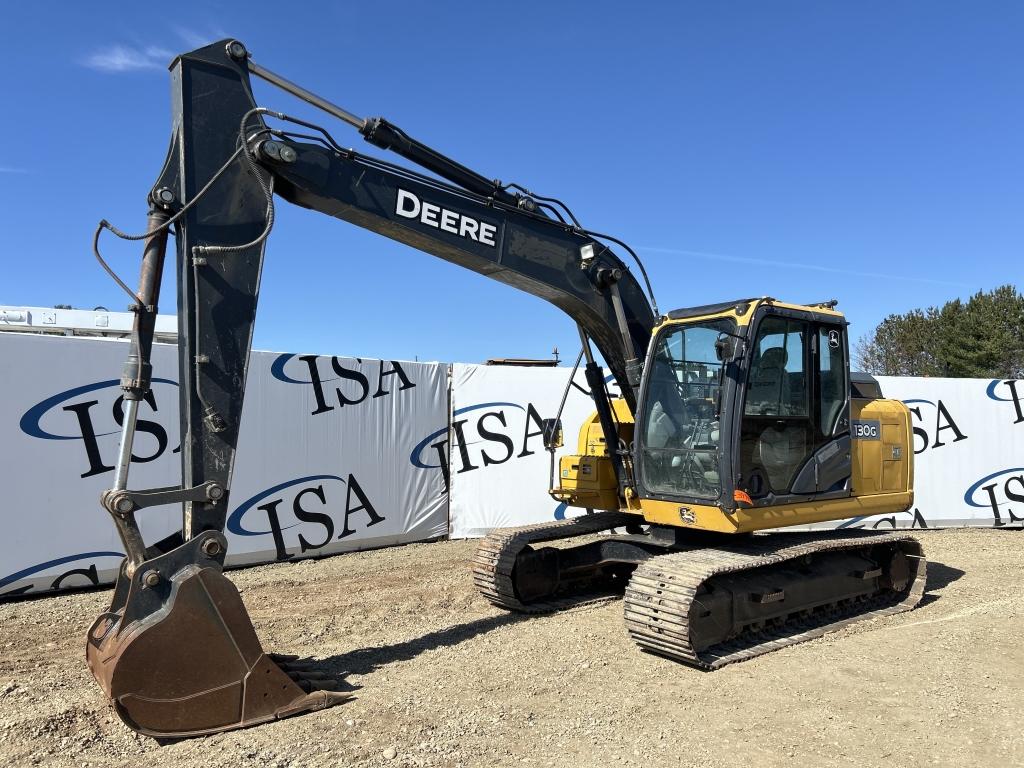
(968, 444)
(338, 454)
(324, 457)
(323, 463)
(499, 467)
(60, 418)
(968, 453)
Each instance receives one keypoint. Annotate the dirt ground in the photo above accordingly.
(442, 678)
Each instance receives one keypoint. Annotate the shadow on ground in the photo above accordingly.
(365, 660)
(939, 576)
(362, 661)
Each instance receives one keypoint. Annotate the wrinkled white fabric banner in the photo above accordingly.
(324, 463)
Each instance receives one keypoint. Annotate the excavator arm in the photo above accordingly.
(176, 652)
(221, 239)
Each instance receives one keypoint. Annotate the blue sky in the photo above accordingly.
(869, 152)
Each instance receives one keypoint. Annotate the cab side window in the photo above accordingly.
(796, 411)
(778, 385)
(832, 381)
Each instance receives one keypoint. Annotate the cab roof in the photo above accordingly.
(708, 309)
(741, 308)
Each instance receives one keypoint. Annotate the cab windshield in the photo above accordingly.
(681, 418)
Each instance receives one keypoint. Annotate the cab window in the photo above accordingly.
(679, 426)
(777, 384)
(832, 381)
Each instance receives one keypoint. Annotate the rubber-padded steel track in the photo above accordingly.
(661, 592)
(496, 556)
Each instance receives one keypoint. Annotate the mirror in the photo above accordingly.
(725, 347)
(552, 433)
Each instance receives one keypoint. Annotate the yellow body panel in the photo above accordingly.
(881, 458)
(591, 440)
(587, 479)
(885, 463)
(742, 520)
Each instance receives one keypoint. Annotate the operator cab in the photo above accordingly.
(746, 402)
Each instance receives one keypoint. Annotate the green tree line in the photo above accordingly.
(982, 337)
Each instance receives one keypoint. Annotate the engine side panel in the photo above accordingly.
(588, 479)
(882, 453)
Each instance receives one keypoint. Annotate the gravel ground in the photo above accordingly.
(444, 679)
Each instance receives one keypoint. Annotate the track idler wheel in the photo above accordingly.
(177, 654)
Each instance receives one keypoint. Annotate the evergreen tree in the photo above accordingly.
(980, 338)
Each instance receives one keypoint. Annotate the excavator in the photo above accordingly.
(730, 419)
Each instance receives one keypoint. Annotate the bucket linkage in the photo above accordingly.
(176, 653)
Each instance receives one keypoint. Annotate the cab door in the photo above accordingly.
(795, 425)
(827, 470)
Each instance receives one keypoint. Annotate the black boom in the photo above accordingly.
(224, 166)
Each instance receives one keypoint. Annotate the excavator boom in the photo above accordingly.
(176, 652)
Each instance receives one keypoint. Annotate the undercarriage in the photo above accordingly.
(703, 599)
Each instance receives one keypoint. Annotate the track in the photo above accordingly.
(668, 596)
(708, 606)
(495, 559)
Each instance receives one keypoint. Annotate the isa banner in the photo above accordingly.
(498, 468)
(968, 453)
(322, 463)
(60, 417)
(968, 446)
(323, 460)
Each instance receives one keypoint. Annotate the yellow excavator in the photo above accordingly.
(731, 418)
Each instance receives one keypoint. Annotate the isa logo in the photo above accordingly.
(997, 491)
(933, 425)
(312, 510)
(334, 384)
(80, 571)
(1006, 391)
(91, 416)
(482, 435)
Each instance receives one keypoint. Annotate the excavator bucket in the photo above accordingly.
(177, 654)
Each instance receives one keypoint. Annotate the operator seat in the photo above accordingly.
(768, 389)
(664, 430)
(664, 424)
